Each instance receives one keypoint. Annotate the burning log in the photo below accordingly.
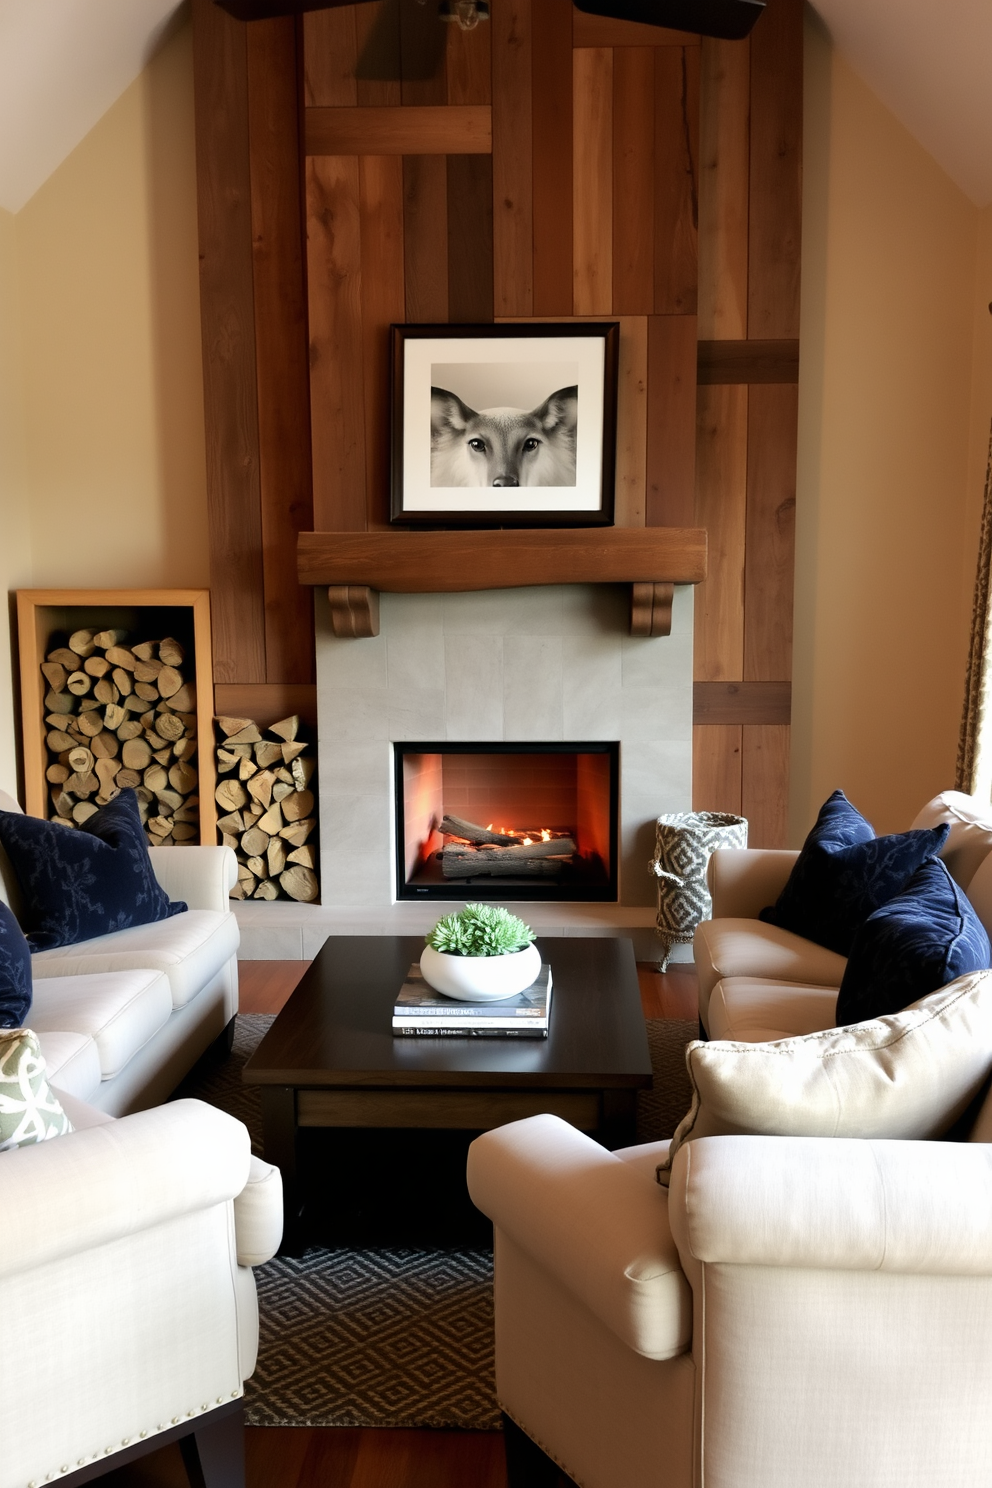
(528, 860)
(455, 826)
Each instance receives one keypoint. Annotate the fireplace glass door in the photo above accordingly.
(506, 821)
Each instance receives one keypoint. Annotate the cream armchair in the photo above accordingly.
(126, 1292)
(793, 1312)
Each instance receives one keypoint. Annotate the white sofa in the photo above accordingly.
(757, 982)
(791, 1311)
(123, 1017)
(129, 1308)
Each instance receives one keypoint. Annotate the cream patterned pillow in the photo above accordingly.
(29, 1111)
(910, 1074)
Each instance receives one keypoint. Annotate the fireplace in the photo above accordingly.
(517, 821)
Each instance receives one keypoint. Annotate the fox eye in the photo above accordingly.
(530, 445)
(479, 445)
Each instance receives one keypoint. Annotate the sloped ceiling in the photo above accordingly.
(930, 62)
(64, 62)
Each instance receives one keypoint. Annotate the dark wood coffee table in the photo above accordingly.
(330, 1059)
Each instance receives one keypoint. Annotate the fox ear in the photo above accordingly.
(562, 408)
(448, 413)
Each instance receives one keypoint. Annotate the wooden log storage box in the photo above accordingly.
(119, 619)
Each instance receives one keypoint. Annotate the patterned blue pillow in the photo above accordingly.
(844, 873)
(922, 939)
(15, 971)
(85, 882)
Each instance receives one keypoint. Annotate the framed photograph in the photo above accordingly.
(504, 425)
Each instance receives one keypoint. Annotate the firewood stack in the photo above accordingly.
(266, 805)
(122, 715)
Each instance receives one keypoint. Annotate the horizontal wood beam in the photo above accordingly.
(741, 702)
(456, 562)
(442, 129)
(747, 361)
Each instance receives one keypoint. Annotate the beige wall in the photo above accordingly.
(98, 288)
(885, 513)
(15, 537)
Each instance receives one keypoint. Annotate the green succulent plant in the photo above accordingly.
(480, 930)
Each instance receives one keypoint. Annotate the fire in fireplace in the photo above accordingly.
(506, 821)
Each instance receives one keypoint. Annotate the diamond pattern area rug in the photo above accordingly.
(389, 1337)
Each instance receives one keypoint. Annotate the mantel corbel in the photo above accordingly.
(357, 566)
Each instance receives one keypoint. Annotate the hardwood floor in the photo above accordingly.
(344, 1457)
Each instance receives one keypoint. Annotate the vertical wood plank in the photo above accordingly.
(592, 181)
(676, 152)
(716, 768)
(633, 180)
(330, 57)
(470, 65)
(513, 213)
(671, 445)
(775, 187)
(337, 404)
(381, 197)
(377, 37)
(632, 422)
(770, 542)
(422, 90)
(721, 507)
(281, 344)
(552, 133)
(220, 70)
(470, 238)
(765, 783)
(425, 237)
(724, 133)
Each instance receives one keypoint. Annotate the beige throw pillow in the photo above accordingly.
(910, 1074)
(29, 1110)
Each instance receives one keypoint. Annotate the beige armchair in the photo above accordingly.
(126, 1293)
(793, 1313)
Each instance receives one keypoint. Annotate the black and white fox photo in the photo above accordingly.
(503, 446)
(504, 424)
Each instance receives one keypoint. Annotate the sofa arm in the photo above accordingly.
(743, 880)
(599, 1227)
(202, 876)
(834, 1204)
(83, 1190)
(258, 1215)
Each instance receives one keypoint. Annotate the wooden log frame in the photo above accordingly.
(98, 713)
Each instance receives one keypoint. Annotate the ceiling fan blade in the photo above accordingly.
(729, 19)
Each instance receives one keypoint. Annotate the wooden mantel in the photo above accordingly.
(356, 566)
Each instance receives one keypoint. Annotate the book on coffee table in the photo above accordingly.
(420, 1012)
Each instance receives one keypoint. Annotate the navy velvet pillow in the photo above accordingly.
(15, 971)
(82, 882)
(844, 873)
(922, 939)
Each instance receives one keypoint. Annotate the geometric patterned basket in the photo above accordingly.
(684, 842)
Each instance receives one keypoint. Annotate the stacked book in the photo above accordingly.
(420, 1012)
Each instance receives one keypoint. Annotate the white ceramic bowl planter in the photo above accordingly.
(480, 978)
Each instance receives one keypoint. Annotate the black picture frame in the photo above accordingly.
(585, 425)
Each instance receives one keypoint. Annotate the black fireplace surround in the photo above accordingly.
(565, 793)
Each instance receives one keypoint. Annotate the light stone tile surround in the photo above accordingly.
(551, 663)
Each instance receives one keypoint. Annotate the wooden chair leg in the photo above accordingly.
(214, 1456)
(526, 1465)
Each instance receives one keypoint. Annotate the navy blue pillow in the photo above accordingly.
(15, 971)
(914, 945)
(844, 873)
(82, 882)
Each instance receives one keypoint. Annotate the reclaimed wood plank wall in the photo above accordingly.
(548, 165)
